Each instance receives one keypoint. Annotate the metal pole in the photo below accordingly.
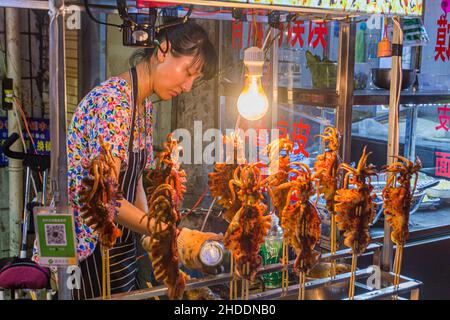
(410, 132)
(346, 70)
(274, 68)
(57, 100)
(12, 17)
(393, 139)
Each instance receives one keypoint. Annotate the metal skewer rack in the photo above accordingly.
(407, 285)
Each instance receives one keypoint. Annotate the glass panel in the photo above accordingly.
(370, 127)
(432, 146)
(435, 66)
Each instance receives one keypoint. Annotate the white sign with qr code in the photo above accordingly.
(55, 235)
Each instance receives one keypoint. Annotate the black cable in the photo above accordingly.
(165, 51)
(86, 4)
(173, 24)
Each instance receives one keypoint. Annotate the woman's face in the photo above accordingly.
(175, 74)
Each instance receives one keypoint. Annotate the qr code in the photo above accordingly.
(55, 235)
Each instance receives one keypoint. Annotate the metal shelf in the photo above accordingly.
(407, 285)
(373, 249)
(330, 98)
(378, 96)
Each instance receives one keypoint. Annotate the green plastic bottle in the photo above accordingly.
(360, 44)
(271, 252)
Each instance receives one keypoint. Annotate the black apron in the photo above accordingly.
(122, 257)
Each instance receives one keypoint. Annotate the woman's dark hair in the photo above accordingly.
(186, 39)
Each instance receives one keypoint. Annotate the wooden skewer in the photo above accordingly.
(301, 287)
(243, 284)
(284, 273)
(232, 277)
(286, 269)
(247, 282)
(394, 269)
(103, 275)
(236, 282)
(397, 268)
(351, 291)
(106, 275)
(333, 244)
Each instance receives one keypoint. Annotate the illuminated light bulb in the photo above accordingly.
(252, 103)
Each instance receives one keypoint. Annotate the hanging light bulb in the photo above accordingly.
(252, 102)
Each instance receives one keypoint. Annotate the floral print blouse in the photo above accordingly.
(106, 111)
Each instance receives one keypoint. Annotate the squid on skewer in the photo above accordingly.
(167, 170)
(279, 166)
(249, 226)
(397, 199)
(325, 174)
(223, 173)
(355, 209)
(301, 223)
(99, 198)
(162, 244)
(164, 196)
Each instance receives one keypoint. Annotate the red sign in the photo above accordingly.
(236, 33)
(300, 134)
(442, 164)
(154, 4)
(444, 118)
(290, 34)
(298, 30)
(441, 39)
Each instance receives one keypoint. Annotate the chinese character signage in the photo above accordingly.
(444, 118)
(39, 129)
(297, 34)
(299, 136)
(443, 158)
(442, 48)
(40, 132)
(442, 164)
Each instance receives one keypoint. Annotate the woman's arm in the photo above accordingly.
(141, 198)
(134, 219)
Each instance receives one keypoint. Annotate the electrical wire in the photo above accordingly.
(197, 203)
(88, 11)
(207, 214)
(25, 121)
(24, 146)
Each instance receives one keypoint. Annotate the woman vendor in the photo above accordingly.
(120, 112)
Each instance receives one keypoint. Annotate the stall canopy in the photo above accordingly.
(363, 7)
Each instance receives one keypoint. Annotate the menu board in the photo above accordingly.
(400, 7)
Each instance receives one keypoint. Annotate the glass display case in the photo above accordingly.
(301, 101)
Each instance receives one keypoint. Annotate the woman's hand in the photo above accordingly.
(190, 243)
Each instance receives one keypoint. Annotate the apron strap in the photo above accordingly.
(133, 101)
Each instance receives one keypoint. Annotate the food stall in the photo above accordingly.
(313, 78)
